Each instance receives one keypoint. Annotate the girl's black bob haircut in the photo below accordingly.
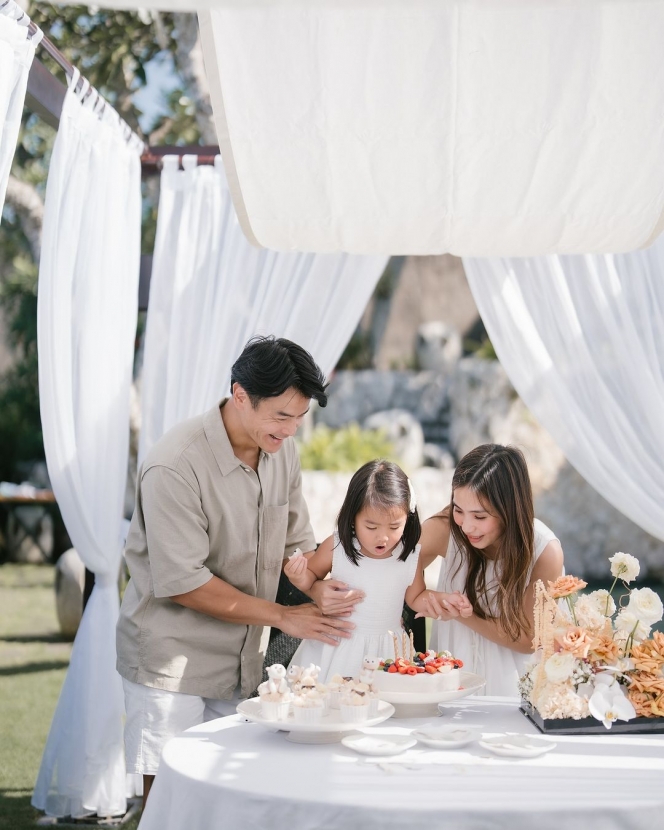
(382, 485)
(268, 366)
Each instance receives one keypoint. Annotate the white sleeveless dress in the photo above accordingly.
(384, 582)
(499, 665)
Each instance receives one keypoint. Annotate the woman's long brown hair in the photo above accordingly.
(499, 477)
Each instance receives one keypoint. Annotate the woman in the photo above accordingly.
(494, 551)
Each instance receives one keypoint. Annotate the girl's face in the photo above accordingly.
(379, 531)
(481, 528)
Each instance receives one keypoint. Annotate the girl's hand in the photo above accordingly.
(295, 569)
(460, 602)
(434, 604)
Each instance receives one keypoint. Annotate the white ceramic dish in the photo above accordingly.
(470, 683)
(328, 730)
(446, 737)
(378, 744)
(517, 746)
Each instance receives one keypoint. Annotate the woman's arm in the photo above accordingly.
(303, 571)
(435, 538)
(549, 567)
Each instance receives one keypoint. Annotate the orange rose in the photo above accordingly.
(604, 649)
(576, 641)
(564, 586)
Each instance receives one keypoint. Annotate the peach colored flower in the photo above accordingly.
(641, 702)
(646, 657)
(577, 641)
(658, 643)
(657, 707)
(604, 649)
(565, 585)
(651, 683)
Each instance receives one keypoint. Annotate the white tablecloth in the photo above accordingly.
(233, 775)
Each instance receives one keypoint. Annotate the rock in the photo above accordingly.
(69, 586)
(405, 433)
(438, 347)
(437, 456)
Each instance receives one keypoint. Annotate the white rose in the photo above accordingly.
(645, 605)
(559, 666)
(603, 602)
(624, 566)
(627, 623)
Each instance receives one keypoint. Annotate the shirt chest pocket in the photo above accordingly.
(273, 535)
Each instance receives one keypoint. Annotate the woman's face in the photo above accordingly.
(478, 525)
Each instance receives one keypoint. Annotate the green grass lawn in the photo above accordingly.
(33, 663)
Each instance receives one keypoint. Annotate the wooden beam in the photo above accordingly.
(45, 94)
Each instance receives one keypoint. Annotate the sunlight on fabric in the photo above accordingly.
(490, 128)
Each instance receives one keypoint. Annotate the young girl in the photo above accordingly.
(375, 549)
(494, 550)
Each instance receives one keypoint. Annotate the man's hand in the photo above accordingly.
(308, 622)
(335, 598)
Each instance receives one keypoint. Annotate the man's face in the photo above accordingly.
(274, 419)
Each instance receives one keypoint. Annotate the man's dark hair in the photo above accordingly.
(268, 366)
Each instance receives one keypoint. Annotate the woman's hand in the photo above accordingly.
(443, 606)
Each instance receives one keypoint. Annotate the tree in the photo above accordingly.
(112, 49)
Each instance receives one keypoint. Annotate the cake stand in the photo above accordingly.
(424, 704)
(330, 729)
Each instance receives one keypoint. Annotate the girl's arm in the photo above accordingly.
(549, 567)
(303, 571)
(420, 599)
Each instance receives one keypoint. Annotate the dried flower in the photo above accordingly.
(576, 641)
(624, 566)
(559, 700)
(647, 658)
(604, 649)
(564, 586)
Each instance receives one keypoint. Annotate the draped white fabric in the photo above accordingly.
(17, 50)
(485, 128)
(87, 307)
(582, 340)
(211, 291)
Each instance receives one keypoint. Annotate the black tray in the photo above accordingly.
(591, 726)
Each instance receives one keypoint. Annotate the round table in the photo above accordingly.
(234, 775)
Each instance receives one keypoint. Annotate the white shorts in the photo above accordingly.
(154, 716)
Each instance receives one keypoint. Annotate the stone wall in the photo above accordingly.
(477, 404)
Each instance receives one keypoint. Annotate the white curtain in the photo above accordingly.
(17, 49)
(484, 128)
(87, 307)
(582, 340)
(211, 291)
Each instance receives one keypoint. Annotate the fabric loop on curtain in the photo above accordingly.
(87, 310)
(211, 291)
(17, 51)
(582, 340)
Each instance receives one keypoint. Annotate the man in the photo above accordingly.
(219, 506)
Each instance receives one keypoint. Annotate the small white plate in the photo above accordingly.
(446, 737)
(517, 746)
(378, 744)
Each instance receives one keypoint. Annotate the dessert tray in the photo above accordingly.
(329, 729)
(413, 704)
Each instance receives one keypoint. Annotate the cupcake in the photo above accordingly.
(354, 706)
(308, 707)
(334, 690)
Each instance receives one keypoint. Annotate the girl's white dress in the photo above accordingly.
(384, 582)
(499, 665)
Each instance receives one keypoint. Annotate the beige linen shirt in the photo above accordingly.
(200, 512)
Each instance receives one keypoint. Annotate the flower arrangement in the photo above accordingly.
(593, 659)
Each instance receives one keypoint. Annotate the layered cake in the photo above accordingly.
(423, 672)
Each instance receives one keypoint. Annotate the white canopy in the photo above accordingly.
(493, 127)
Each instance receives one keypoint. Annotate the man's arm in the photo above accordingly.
(222, 601)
